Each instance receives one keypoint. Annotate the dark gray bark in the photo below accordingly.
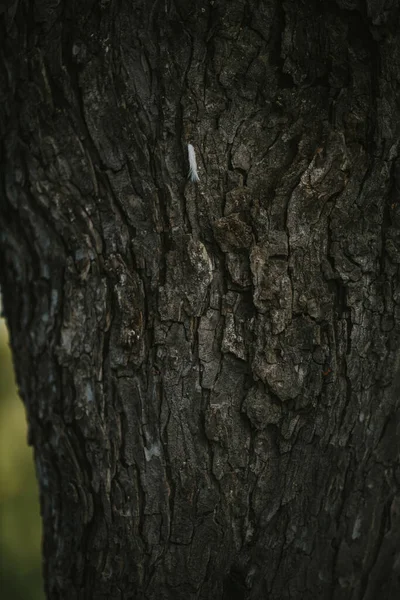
(211, 372)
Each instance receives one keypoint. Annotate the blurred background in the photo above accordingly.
(20, 525)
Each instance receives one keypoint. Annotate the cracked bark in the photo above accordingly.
(211, 373)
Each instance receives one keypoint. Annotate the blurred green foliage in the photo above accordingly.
(20, 525)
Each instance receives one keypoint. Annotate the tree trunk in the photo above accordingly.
(211, 371)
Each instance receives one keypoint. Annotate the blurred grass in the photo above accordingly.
(20, 525)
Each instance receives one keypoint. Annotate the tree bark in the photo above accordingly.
(211, 371)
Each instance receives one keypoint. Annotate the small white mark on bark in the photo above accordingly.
(89, 392)
(193, 175)
(154, 450)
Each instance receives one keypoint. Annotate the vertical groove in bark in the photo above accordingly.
(211, 372)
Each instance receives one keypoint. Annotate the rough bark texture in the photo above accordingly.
(212, 371)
